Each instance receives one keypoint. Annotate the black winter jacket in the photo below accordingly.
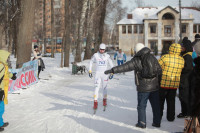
(143, 83)
(194, 95)
(184, 79)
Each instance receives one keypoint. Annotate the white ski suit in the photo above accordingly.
(101, 61)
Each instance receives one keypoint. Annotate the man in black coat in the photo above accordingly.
(194, 95)
(184, 79)
(147, 70)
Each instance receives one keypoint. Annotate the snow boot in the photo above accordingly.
(1, 129)
(104, 102)
(5, 124)
(95, 104)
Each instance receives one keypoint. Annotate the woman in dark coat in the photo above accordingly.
(184, 82)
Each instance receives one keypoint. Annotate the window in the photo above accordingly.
(167, 28)
(199, 28)
(168, 16)
(194, 28)
(123, 29)
(152, 28)
(129, 16)
(153, 45)
(183, 29)
(135, 29)
(141, 29)
(129, 29)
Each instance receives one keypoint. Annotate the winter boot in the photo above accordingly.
(104, 102)
(5, 124)
(1, 129)
(95, 104)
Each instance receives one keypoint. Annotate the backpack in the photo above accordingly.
(149, 66)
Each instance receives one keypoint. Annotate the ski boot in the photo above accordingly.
(95, 106)
(1, 129)
(104, 104)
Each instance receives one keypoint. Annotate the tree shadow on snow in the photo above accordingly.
(103, 126)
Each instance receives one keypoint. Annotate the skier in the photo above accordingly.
(121, 57)
(102, 60)
(147, 70)
(4, 81)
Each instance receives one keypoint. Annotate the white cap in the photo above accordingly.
(138, 47)
(102, 46)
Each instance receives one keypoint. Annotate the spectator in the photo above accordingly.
(184, 81)
(38, 55)
(4, 76)
(147, 70)
(172, 65)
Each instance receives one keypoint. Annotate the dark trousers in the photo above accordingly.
(183, 99)
(39, 70)
(142, 103)
(169, 95)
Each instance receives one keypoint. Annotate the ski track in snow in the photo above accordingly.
(64, 104)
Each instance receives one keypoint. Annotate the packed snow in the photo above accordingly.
(63, 103)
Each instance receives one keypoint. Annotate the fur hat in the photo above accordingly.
(35, 46)
(187, 44)
(138, 47)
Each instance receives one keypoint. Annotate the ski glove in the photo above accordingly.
(2, 95)
(111, 76)
(90, 74)
(109, 71)
(14, 77)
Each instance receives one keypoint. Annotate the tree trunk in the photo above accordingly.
(24, 36)
(81, 22)
(52, 29)
(67, 34)
(101, 23)
(44, 26)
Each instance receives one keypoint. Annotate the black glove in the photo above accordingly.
(109, 71)
(14, 76)
(1, 95)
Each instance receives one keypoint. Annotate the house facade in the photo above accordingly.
(157, 27)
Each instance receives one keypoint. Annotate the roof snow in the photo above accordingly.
(140, 13)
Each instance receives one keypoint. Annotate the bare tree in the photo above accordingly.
(66, 39)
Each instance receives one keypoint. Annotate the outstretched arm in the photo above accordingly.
(133, 64)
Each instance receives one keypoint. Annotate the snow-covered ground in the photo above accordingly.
(63, 104)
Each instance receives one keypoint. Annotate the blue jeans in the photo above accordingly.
(142, 103)
(120, 62)
(1, 112)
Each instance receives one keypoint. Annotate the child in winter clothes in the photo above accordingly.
(184, 81)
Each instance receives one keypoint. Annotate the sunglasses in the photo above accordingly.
(102, 49)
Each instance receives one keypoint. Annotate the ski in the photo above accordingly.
(95, 111)
(104, 108)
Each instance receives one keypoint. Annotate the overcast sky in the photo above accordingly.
(131, 3)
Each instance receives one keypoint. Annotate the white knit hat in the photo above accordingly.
(102, 46)
(138, 47)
